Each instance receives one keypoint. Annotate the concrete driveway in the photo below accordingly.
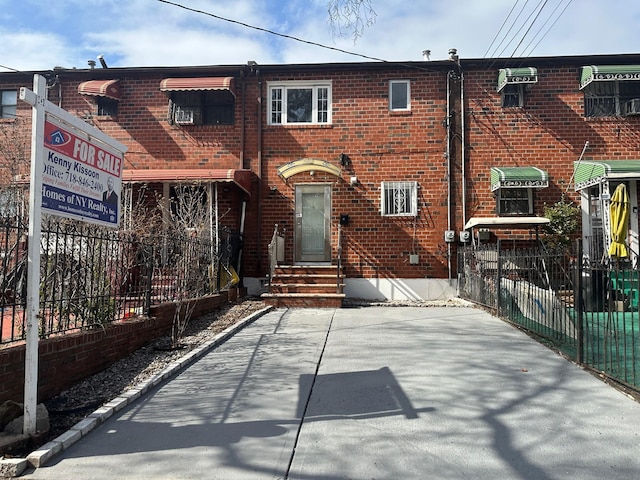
(368, 393)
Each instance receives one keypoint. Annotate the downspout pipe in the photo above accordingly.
(463, 141)
(243, 126)
(448, 156)
(259, 171)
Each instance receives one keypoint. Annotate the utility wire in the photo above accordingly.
(500, 29)
(543, 25)
(12, 69)
(550, 27)
(529, 23)
(260, 29)
(521, 26)
(513, 23)
(530, 27)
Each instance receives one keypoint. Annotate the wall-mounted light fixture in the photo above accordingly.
(345, 161)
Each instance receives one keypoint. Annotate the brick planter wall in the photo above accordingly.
(68, 359)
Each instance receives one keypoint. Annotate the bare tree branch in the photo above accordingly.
(350, 17)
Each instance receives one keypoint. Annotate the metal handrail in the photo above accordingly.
(338, 274)
(273, 250)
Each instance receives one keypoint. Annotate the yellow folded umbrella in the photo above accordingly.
(619, 217)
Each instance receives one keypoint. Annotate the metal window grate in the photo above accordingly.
(399, 199)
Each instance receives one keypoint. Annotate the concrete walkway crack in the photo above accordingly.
(306, 406)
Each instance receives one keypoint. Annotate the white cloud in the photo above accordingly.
(153, 33)
(33, 51)
(174, 47)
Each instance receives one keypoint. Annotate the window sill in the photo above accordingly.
(400, 113)
(191, 126)
(608, 118)
(301, 126)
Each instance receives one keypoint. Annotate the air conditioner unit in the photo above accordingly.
(184, 116)
(632, 107)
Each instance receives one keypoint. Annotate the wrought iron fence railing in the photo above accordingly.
(91, 276)
(590, 310)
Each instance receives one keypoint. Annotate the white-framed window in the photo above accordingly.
(399, 95)
(513, 96)
(299, 103)
(8, 103)
(399, 199)
(515, 201)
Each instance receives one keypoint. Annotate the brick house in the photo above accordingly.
(384, 165)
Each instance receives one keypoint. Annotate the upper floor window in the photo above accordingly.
(513, 96)
(399, 95)
(513, 82)
(107, 106)
(206, 107)
(399, 199)
(610, 90)
(9, 103)
(612, 99)
(299, 103)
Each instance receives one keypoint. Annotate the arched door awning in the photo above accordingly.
(307, 165)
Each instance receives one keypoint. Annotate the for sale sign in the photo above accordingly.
(81, 177)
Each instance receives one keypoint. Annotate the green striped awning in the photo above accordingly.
(518, 177)
(591, 172)
(516, 75)
(608, 73)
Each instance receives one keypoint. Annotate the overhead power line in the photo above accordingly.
(524, 23)
(548, 29)
(12, 69)
(500, 29)
(271, 32)
(522, 29)
(530, 26)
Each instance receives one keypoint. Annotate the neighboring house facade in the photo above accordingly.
(402, 158)
(541, 128)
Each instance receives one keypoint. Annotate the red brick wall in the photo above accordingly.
(382, 146)
(65, 360)
(549, 132)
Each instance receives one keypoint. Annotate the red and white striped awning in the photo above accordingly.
(242, 178)
(101, 88)
(197, 83)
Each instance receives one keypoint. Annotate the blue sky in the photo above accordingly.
(40, 34)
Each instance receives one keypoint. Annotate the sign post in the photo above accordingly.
(76, 172)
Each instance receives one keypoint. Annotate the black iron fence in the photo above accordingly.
(91, 276)
(588, 310)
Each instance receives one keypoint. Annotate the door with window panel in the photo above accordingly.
(312, 223)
